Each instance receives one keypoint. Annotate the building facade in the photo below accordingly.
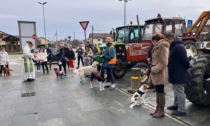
(98, 38)
(11, 43)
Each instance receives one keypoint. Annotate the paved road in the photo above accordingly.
(67, 102)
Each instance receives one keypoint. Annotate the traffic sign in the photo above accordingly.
(189, 23)
(84, 24)
(34, 36)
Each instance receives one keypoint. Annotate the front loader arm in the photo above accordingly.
(202, 20)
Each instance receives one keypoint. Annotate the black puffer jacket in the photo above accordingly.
(178, 63)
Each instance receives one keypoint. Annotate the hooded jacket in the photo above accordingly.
(159, 69)
(108, 55)
(178, 63)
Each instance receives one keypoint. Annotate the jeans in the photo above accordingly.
(80, 58)
(110, 77)
(38, 65)
(45, 64)
(179, 96)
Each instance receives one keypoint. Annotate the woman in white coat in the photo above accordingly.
(28, 71)
(43, 58)
(4, 59)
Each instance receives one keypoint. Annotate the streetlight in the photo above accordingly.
(44, 19)
(125, 1)
(69, 39)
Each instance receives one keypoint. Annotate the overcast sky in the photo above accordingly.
(64, 15)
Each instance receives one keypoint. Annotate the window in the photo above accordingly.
(168, 26)
(179, 28)
(134, 35)
(151, 29)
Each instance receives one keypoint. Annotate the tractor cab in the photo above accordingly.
(174, 25)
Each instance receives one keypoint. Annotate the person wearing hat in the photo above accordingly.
(109, 61)
(28, 71)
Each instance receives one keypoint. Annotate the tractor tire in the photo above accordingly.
(143, 67)
(196, 87)
(119, 70)
(191, 48)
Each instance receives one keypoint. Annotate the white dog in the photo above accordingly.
(86, 69)
(139, 96)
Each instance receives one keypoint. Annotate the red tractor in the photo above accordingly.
(130, 49)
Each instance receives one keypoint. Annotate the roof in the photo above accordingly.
(7, 37)
(164, 18)
(10, 38)
(100, 35)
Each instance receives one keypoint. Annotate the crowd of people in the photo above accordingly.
(65, 56)
(167, 59)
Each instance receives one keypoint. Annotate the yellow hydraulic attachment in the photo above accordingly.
(202, 20)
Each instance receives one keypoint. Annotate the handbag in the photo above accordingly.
(59, 63)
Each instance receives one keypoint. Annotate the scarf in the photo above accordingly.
(30, 63)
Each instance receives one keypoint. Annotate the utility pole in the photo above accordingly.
(74, 35)
(56, 34)
(92, 35)
(125, 1)
(44, 19)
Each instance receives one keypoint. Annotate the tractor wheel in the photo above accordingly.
(143, 67)
(191, 48)
(119, 71)
(197, 89)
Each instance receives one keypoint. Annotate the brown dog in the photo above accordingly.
(6, 71)
(58, 73)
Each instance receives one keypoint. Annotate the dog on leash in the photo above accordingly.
(139, 96)
(86, 69)
(6, 71)
(58, 73)
(99, 76)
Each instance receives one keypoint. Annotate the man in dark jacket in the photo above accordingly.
(177, 68)
(66, 51)
(80, 52)
(149, 60)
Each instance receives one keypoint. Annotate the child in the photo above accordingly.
(37, 60)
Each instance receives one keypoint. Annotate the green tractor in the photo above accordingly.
(129, 49)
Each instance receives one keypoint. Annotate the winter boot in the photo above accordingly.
(157, 107)
(160, 112)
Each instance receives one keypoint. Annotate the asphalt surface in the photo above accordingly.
(67, 102)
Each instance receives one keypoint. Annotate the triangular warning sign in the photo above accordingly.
(84, 24)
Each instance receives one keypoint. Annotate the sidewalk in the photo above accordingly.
(196, 116)
(67, 102)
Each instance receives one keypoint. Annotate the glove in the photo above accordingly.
(103, 57)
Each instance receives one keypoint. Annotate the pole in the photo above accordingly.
(74, 35)
(56, 39)
(139, 35)
(124, 12)
(92, 35)
(85, 36)
(44, 24)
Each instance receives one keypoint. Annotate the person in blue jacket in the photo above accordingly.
(108, 55)
(177, 69)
